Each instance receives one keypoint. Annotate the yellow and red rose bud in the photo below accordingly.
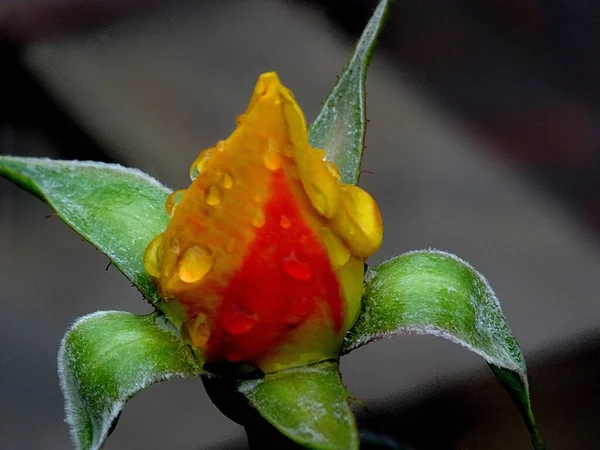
(263, 257)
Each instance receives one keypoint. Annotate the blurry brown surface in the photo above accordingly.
(483, 141)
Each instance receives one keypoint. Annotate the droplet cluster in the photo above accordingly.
(267, 241)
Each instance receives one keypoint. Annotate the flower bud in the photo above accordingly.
(263, 258)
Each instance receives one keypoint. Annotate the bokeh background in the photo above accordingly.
(483, 140)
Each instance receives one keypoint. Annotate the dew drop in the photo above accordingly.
(152, 256)
(173, 200)
(199, 165)
(285, 222)
(227, 181)
(259, 219)
(213, 195)
(272, 161)
(321, 187)
(237, 322)
(175, 248)
(199, 330)
(297, 268)
(194, 264)
(272, 158)
(194, 172)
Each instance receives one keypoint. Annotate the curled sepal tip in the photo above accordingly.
(436, 293)
(107, 357)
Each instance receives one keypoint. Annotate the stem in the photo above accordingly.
(222, 390)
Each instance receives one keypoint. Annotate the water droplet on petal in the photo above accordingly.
(213, 195)
(227, 181)
(272, 161)
(272, 158)
(259, 219)
(194, 264)
(153, 256)
(297, 268)
(199, 165)
(320, 186)
(198, 331)
(175, 248)
(285, 222)
(237, 322)
(173, 200)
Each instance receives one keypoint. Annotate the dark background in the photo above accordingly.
(484, 141)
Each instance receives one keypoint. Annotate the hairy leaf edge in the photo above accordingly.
(30, 185)
(436, 331)
(70, 395)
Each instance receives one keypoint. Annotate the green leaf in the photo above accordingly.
(118, 210)
(340, 126)
(307, 404)
(109, 356)
(436, 293)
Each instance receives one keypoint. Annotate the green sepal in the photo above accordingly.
(436, 293)
(340, 126)
(106, 358)
(307, 404)
(118, 210)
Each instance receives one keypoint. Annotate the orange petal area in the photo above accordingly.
(262, 260)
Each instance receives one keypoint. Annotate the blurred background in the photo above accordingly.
(483, 140)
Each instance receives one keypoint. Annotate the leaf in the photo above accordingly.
(307, 404)
(118, 210)
(340, 126)
(433, 292)
(106, 358)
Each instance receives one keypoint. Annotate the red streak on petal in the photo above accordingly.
(285, 275)
(235, 321)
